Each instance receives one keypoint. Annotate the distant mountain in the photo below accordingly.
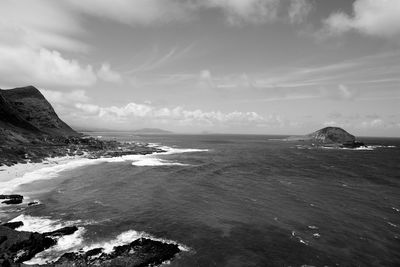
(151, 131)
(25, 114)
(329, 136)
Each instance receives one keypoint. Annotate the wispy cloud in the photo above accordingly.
(155, 60)
(235, 12)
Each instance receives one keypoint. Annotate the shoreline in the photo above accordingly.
(8, 173)
(149, 250)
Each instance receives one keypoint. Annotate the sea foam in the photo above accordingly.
(68, 163)
(76, 241)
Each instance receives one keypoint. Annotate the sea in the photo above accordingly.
(227, 200)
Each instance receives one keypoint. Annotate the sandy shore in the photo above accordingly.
(17, 171)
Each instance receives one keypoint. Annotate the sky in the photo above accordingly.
(217, 66)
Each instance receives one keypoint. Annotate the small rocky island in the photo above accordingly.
(31, 131)
(329, 137)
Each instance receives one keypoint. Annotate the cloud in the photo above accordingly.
(299, 10)
(134, 11)
(42, 67)
(40, 23)
(341, 92)
(106, 74)
(147, 12)
(65, 98)
(371, 17)
(254, 11)
(375, 123)
(134, 114)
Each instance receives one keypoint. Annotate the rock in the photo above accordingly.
(141, 252)
(33, 203)
(354, 144)
(13, 225)
(93, 252)
(27, 249)
(12, 199)
(69, 230)
(20, 246)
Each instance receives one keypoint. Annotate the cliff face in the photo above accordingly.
(332, 135)
(25, 114)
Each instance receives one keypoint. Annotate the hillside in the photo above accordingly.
(25, 114)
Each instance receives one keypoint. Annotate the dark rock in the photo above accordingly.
(141, 252)
(11, 197)
(20, 246)
(13, 201)
(27, 249)
(354, 144)
(33, 203)
(92, 252)
(69, 230)
(13, 225)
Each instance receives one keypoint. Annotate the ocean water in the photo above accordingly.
(228, 200)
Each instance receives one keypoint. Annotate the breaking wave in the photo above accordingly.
(76, 241)
(69, 163)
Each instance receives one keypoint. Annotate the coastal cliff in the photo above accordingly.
(26, 114)
(30, 131)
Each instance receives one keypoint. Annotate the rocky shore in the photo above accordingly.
(50, 147)
(19, 246)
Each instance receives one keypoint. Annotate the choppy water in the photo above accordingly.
(230, 200)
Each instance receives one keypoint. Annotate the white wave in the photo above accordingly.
(75, 242)
(173, 150)
(59, 165)
(122, 239)
(156, 162)
(41, 224)
(296, 236)
(126, 238)
(66, 243)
